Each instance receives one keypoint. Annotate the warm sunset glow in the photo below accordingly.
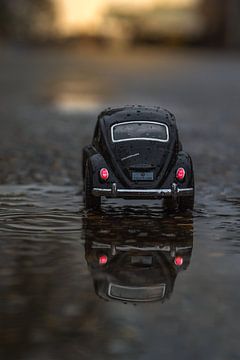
(81, 15)
(77, 15)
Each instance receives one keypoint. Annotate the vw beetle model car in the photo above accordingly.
(136, 153)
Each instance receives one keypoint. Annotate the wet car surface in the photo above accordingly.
(49, 308)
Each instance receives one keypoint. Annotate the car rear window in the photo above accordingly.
(135, 293)
(140, 130)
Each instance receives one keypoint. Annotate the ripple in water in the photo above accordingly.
(28, 209)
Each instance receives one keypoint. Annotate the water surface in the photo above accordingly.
(53, 291)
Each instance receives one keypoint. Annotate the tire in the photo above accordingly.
(170, 204)
(181, 204)
(91, 202)
(186, 203)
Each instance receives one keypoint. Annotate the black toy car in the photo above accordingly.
(136, 153)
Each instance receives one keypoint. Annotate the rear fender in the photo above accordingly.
(185, 161)
(95, 164)
(87, 152)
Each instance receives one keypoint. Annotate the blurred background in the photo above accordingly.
(65, 60)
(193, 22)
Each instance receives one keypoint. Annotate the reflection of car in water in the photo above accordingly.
(136, 259)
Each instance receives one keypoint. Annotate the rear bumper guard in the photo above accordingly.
(114, 192)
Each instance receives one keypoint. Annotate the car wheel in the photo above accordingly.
(186, 203)
(91, 202)
(170, 204)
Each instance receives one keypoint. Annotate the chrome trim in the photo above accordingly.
(113, 192)
(174, 189)
(142, 138)
(130, 156)
(184, 190)
(114, 189)
(159, 247)
(132, 247)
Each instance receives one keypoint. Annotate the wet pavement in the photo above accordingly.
(167, 284)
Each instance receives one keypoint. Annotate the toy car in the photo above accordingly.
(136, 153)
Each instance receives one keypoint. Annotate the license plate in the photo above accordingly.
(141, 260)
(142, 176)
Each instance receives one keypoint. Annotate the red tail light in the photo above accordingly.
(180, 174)
(178, 261)
(104, 174)
(103, 260)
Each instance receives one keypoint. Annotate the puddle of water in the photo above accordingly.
(34, 209)
(125, 280)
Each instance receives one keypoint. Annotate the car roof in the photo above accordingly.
(111, 116)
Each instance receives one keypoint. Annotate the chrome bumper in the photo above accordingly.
(114, 192)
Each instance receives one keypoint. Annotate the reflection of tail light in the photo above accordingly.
(178, 261)
(180, 174)
(103, 260)
(104, 174)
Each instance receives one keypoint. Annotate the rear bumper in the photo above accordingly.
(114, 192)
